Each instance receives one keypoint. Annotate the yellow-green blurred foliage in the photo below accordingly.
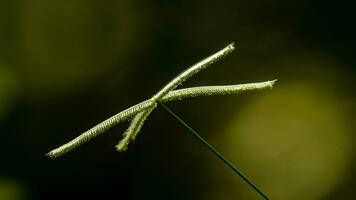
(294, 141)
(11, 189)
(9, 86)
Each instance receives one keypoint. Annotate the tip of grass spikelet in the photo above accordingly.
(232, 45)
(273, 82)
(122, 146)
(52, 154)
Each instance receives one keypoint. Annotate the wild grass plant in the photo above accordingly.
(141, 111)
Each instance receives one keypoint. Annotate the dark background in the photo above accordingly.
(68, 65)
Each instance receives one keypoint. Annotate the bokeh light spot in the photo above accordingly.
(293, 141)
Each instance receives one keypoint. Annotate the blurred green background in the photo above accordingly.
(67, 65)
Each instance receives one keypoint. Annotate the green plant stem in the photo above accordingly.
(216, 152)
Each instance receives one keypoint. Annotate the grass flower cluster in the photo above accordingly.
(140, 112)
